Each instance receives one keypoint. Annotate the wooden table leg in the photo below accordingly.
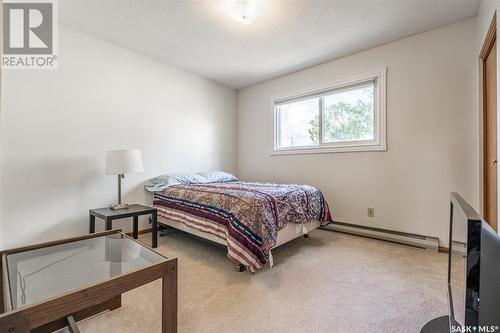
(169, 300)
(154, 230)
(135, 232)
(91, 224)
(109, 224)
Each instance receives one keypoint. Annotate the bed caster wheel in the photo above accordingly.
(161, 229)
(240, 268)
(306, 235)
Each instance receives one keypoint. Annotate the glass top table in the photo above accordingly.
(39, 274)
(80, 277)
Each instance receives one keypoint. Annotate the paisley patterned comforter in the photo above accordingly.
(247, 216)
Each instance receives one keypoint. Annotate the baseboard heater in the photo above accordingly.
(420, 241)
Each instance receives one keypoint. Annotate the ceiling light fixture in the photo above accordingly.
(244, 11)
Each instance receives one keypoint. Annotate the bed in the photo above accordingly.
(250, 219)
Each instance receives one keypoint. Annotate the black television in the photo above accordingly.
(473, 274)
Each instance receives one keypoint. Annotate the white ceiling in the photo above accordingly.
(288, 36)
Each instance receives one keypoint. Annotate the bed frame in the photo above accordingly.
(290, 232)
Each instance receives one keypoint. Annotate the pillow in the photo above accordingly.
(217, 176)
(162, 182)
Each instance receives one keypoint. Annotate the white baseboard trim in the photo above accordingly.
(420, 241)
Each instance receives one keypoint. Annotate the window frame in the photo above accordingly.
(380, 136)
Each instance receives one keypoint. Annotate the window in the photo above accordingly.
(338, 117)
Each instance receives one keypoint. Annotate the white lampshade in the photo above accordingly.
(123, 161)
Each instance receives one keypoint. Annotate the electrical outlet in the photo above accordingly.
(371, 212)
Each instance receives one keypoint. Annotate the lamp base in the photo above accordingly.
(119, 206)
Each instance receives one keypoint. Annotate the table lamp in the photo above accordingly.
(120, 162)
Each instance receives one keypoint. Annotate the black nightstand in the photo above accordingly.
(134, 211)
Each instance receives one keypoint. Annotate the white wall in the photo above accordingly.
(432, 134)
(56, 126)
(487, 9)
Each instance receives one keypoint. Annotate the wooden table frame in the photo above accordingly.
(51, 314)
(125, 213)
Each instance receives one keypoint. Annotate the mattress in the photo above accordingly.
(249, 218)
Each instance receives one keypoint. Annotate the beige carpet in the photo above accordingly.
(331, 282)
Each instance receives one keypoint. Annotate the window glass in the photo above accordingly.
(348, 115)
(297, 121)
